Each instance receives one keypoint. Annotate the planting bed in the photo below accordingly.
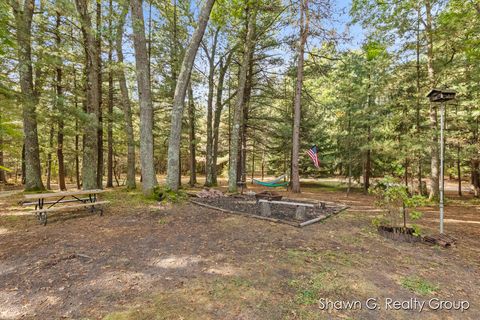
(247, 205)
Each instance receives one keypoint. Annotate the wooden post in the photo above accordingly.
(265, 209)
(300, 213)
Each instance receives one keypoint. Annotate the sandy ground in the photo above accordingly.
(144, 260)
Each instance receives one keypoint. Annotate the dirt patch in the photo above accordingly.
(142, 260)
(249, 205)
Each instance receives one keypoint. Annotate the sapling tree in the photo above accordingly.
(398, 203)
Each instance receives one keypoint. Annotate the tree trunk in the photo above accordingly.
(90, 137)
(251, 15)
(191, 136)
(253, 157)
(110, 102)
(475, 163)
(304, 24)
(211, 84)
(149, 179)
(263, 164)
(2, 164)
(368, 164)
(419, 177)
(173, 165)
(100, 100)
(459, 171)
(218, 113)
(434, 160)
(23, 21)
(125, 101)
(49, 158)
(60, 108)
(24, 169)
(77, 137)
(243, 133)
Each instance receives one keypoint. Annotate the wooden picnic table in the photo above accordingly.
(80, 199)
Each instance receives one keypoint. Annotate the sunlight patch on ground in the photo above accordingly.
(226, 270)
(3, 231)
(15, 211)
(173, 262)
(9, 306)
(366, 210)
(117, 281)
(5, 268)
(456, 221)
(7, 194)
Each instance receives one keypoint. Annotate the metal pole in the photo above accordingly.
(442, 155)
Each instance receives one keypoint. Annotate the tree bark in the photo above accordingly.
(49, 157)
(191, 136)
(368, 163)
(419, 176)
(24, 169)
(242, 162)
(23, 21)
(251, 15)
(459, 171)
(218, 113)
(90, 140)
(173, 165)
(77, 137)
(110, 102)
(304, 24)
(211, 84)
(100, 158)
(149, 179)
(60, 108)
(2, 164)
(125, 101)
(434, 156)
(475, 168)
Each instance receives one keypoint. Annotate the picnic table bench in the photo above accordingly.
(47, 202)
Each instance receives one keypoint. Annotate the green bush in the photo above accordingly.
(397, 201)
(166, 195)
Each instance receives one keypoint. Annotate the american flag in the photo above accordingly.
(313, 154)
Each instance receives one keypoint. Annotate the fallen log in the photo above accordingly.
(440, 239)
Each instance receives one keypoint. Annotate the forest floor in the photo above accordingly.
(144, 260)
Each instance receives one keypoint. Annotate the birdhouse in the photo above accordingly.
(441, 95)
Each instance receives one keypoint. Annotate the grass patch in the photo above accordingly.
(166, 195)
(163, 221)
(330, 257)
(418, 285)
(226, 288)
(197, 300)
(130, 197)
(308, 290)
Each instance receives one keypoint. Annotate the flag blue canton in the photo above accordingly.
(313, 154)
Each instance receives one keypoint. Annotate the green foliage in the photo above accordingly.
(166, 195)
(417, 231)
(396, 200)
(5, 169)
(419, 285)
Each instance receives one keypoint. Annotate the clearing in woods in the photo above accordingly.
(145, 260)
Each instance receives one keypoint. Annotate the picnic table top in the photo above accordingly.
(62, 194)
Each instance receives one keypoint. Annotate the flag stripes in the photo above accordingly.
(313, 154)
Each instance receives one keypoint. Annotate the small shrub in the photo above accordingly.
(164, 194)
(396, 200)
